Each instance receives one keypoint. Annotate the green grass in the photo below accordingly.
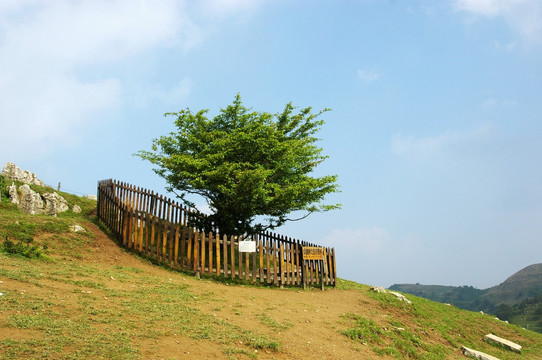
(106, 320)
(362, 330)
(267, 320)
(350, 285)
(422, 320)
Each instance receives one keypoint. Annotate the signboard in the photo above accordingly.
(247, 246)
(313, 253)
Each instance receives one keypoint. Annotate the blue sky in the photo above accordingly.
(435, 133)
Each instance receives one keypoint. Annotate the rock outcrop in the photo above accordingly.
(55, 204)
(14, 197)
(29, 201)
(12, 172)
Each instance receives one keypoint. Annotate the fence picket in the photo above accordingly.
(260, 252)
(202, 260)
(241, 264)
(176, 254)
(217, 246)
(232, 256)
(225, 254)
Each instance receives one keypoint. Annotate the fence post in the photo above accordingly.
(232, 253)
(322, 271)
(260, 251)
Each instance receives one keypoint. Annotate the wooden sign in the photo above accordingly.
(313, 253)
(247, 246)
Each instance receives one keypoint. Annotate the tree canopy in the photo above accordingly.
(246, 165)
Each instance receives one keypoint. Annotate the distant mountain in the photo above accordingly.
(520, 294)
(464, 297)
(526, 283)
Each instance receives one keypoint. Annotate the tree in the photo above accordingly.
(246, 165)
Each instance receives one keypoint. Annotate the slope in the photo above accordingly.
(90, 299)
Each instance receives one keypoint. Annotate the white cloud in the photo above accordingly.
(433, 146)
(142, 95)
(491, 103)
(364, 240)
(523, 16)
(223, 8)
(50, 111)
(368, 75)
(508, 47)
(43, 99)
(179, 92)
(52, 54)
(484, 7)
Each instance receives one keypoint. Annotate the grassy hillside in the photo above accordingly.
(518, 299)
(80, 296)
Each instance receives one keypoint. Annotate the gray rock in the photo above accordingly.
(13, 195)
(378, 289)
(12, 172)
(91, 197)
(493, 339)
(76, 209)
(55, 204)
(400, 297)
(30, 202)
(77, 228)
(477, 354)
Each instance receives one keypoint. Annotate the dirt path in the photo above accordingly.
(307, 323)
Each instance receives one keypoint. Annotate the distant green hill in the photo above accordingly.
(464, 297)
(526, 283)
(518, 299)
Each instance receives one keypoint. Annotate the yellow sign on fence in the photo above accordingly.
(313, 253)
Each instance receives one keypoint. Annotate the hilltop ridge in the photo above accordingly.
(523, 284)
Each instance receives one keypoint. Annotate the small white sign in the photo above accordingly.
(247, 246)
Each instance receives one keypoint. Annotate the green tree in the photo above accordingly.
(247, 165)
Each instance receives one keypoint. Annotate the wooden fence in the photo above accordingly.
(158, 227)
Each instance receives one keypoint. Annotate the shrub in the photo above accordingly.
(4, 193)
(23, 248)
